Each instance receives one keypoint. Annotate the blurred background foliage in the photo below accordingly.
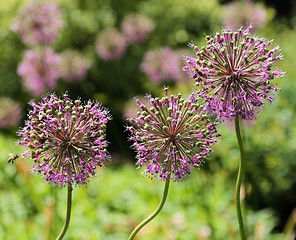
(201, 207)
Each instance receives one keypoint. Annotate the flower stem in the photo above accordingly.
(68, 214)
(240, 175)
(155, 213)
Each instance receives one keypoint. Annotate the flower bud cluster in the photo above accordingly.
(234, 73)
(171, 135)
(66, 138)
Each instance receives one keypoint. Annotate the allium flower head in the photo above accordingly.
(110, 44)
(136, 28)
(73, 66)
(66, 138)
(39, 23)
(233, 72)
(10, 112)
(39, 70)
(162, 64)
(171, 135)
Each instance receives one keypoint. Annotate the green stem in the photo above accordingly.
(240, 175)
(155, 213)
(68, 214)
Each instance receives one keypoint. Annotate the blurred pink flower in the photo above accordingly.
(73, 66)
(130, 109)
(240, 13)
(162, 65)
(10, 112)
(110, 44)
(39, 70)
(38, 23)
(136, 28)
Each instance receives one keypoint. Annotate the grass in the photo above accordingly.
(116, 200)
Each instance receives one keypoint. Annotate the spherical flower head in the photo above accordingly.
(162, 64)
(39, 70)
(73, 66)
(10, 112)
(110, 44)
(233, 73)
(171, 135)
(136, 28)
(66, 139)
(253, 13)
(39, 23)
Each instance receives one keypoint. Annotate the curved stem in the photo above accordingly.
(240, 175)
(155, 213)
(68, 214)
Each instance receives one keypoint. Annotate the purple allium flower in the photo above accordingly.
(233, 72)
(235, 17)
(171, 135)
(73, 66)
(66, 138)
(39, 23)
(39, 70)
(136, 28)
(162, 65)
(10, 112)
(110, 44)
